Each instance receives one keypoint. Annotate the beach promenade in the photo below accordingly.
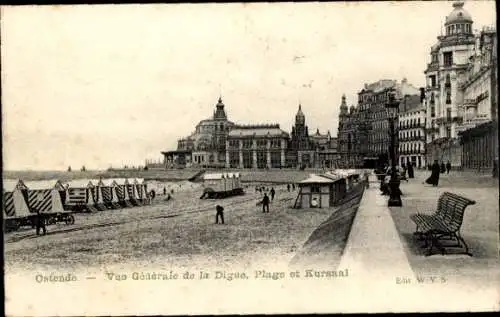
(383, 255)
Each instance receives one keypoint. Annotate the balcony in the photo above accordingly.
(412, 138)
(417, 151)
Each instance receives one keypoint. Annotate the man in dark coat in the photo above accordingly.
(288, 187)
(411, 171)
(265, 203)
(40, 223)
(448, 167)
(273, 192)
(220, 213)
(434, 178)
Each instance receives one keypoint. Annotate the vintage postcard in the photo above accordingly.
(250, 158)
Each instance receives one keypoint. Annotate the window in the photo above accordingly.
(433, 112)
(432, 99)
(448, 132)
(315, 189)
(448, 113)
(448, 97)
(433, 80)
(448, 59)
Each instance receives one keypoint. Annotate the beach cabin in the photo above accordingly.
(107, 195)
(15, 203)
(46, 196)
(316, 191)
(121, 187)
(141, 189)
(221, 185)
(80, 195)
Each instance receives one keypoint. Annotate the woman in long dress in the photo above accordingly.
(434, 178)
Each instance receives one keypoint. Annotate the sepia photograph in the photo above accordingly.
(250, 158)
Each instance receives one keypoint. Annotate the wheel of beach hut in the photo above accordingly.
(70, 219)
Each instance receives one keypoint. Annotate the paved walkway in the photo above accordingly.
(374, 248)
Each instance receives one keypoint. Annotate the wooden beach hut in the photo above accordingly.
(316, 191)
(107, 195)
(221, 185)
(80, 195)
(121, 188)
(15, 203)
(141, 190)
(46, 196)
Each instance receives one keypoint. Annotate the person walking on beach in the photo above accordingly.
(265, 203)
(220, 213)
(448, 167)
(164, 191)
(273, 192)
(293, 186)
(288, 187)
(434, 178)
(40, 223)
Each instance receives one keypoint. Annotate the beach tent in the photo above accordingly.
(107, 194)
(80, 194)
(141, 190)
(47, 196)
(120, 186)
(317, 191)
(15, 199)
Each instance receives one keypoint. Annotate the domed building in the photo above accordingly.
(206, 146)
(454, 89)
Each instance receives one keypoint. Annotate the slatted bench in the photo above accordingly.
(445, 223)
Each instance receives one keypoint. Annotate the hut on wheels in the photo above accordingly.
(80, 195)
(121, 187)
(107, 197)
(15, 204)
(321, 191)
(46, 196)
(141, 190)
(221, 185)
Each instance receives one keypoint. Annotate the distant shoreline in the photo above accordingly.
(279, 176)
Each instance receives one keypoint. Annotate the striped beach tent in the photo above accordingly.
(107, 194)
(122, 191)
(141, 190)
(80, 195)
(15, 199)
(46, 196)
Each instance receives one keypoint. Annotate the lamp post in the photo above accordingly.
(394, 192)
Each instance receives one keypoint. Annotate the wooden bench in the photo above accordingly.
(445, 223)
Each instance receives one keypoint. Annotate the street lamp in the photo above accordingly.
(392, 106)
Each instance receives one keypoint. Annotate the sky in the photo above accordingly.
(112, 85)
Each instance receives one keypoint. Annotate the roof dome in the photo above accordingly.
(458, 14)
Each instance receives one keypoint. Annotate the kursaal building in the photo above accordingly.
(462, 93)
(219, 143)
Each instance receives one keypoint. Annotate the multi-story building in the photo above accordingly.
(373, 119)
(479, 133)
(444, 75)
(206, 146)
(348, 143)
(256, 146)
(411, 134)
(305, 150)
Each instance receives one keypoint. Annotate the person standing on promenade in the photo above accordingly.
(411, 171)
(220, 213)
(265, 203)
(434, 178)
(273, 192)
(448, 167)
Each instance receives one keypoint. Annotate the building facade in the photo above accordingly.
(348, 143)
(444, 75)
(305, 150)
(206, 146)
(256, 146)
(411, 134)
